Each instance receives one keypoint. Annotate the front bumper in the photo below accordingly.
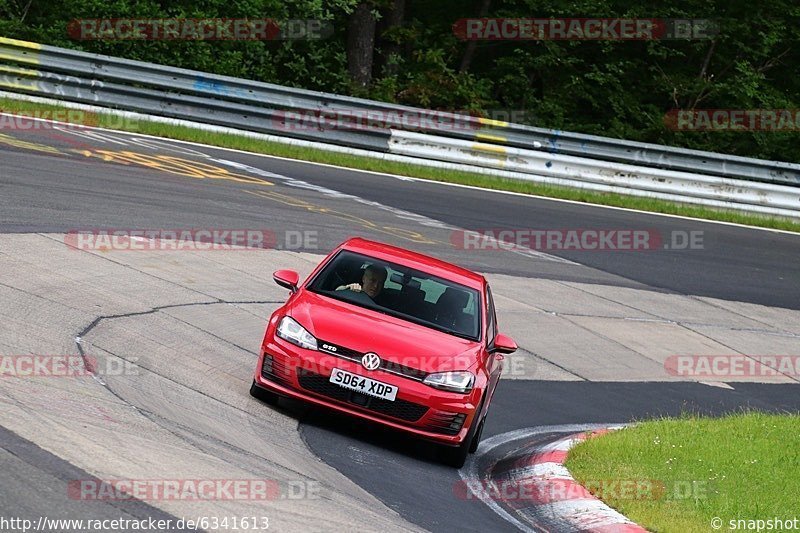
(428, 413)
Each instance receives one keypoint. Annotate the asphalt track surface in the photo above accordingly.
(28, 471)
(45, 191)
(58, 193)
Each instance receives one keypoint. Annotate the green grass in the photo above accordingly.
(742, 466)
(364, 163)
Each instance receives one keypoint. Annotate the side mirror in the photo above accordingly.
(504, 344)
(287, 278)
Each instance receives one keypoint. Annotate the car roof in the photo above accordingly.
(415, 260)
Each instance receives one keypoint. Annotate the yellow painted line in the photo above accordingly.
(22, 44)
(487, 137)
(491, 122)
(481, 147)
(17, 143)
(172, 165)
(108, 158)
(453, 185)
(285, 199)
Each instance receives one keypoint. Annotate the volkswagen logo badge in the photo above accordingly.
(371, 361)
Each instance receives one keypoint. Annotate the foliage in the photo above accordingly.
(614, 88)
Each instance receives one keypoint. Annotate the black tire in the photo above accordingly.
(477, 440)
(456, 456)
(473, 447)
(265, 396)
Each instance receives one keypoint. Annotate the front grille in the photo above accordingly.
(406, 371)
(445, 422)
(402, 409)
(274, 370)
(355, 356)
(341, 351)
(316, 383)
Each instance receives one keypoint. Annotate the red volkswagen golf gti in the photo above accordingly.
(391, 336)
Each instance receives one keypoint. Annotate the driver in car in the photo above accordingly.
(371, 282)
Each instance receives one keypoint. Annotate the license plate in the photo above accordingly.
(361, 384)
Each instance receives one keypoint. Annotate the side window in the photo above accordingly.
(490, 322)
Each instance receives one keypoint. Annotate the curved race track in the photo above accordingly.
(595, 329)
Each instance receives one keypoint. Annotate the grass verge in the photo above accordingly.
(418, 171)
(740, 467)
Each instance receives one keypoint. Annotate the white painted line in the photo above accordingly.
(720, 384)
(400, 213)
(584, 514)
(105, 138)
(562, 445)
(155, 144)
(541, 470)
(72, 105)
(83, 134)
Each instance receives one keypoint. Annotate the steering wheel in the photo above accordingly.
(359, 296)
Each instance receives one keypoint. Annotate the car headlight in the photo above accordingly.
(451, 381)
(293, 332)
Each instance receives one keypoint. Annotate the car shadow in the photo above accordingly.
(359, 431)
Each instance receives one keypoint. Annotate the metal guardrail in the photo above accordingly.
(165, 91)
(607, 176)
(172, 92)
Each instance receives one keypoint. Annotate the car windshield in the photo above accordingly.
(401, 292)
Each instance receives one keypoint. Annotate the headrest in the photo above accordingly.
(453, 300)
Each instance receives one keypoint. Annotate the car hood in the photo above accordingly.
(393, 339)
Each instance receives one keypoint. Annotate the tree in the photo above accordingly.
(389, 50)
(469, 53)
(361, 44)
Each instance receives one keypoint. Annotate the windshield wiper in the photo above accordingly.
(458, 333)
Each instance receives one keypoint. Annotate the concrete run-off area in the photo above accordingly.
(178, 334)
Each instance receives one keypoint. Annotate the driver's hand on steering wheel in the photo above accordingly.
(355, 287)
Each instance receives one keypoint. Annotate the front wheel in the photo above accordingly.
(457, 456)
(473, 447)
